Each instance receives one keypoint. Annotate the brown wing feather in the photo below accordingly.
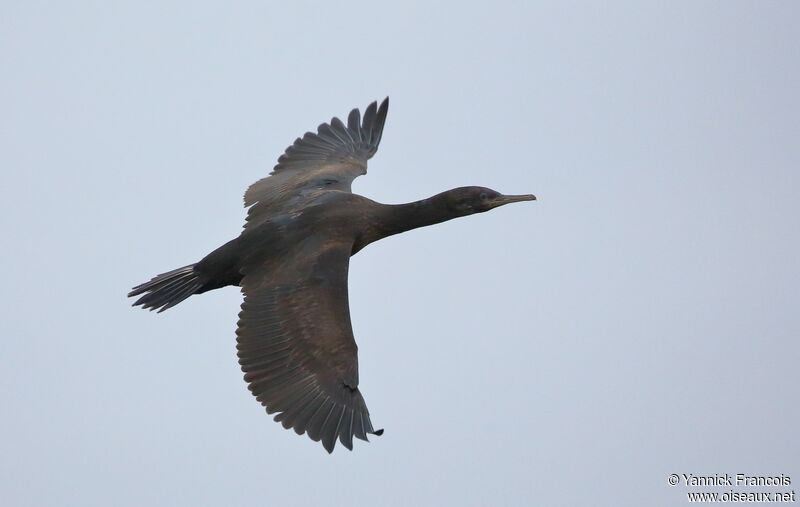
(296, 346)
(328, 160)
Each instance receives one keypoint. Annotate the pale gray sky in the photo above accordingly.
(640, 319)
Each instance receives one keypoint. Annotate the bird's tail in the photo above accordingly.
(168, 289)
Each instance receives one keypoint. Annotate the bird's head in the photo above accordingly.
(469, 200)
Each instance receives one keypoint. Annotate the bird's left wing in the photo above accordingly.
(296, 346)
(329, 159)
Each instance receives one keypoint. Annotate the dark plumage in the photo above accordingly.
(294, 339)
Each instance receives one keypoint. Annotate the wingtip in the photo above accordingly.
(380, 120)
(383, 108)
(384, 104)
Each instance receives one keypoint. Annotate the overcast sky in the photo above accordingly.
(641, 319)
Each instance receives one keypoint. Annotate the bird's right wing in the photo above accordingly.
(295, 343)
(328, 160)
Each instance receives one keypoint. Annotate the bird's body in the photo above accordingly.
(294, 339)
(329, 217)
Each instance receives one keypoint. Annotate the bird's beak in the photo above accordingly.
(500, 200)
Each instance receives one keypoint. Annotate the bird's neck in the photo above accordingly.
(390, 219)
(397, 218)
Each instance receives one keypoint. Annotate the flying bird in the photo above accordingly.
(294, 338)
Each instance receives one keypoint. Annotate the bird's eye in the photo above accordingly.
(483, 196)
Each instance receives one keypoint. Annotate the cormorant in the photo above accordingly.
(294, 339)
